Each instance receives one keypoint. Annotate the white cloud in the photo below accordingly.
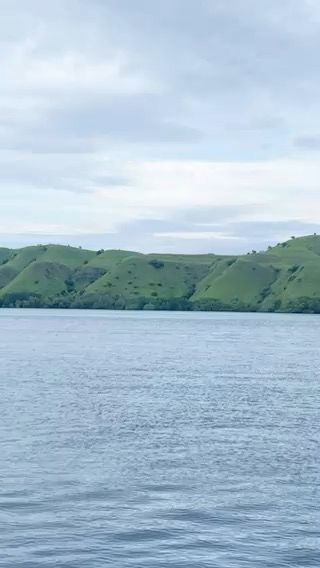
(201, 235)
(119, 113)
(265, 191)
(25, 68)
(279, 189)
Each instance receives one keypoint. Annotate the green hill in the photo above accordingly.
(284, 278)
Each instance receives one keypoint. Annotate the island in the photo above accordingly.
(284, 278)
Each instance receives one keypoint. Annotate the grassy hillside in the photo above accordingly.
(283, 278)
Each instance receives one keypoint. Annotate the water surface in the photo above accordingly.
(148, 440)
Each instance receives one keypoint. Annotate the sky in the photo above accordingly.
(172, 125)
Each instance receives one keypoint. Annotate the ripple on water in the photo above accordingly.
(159, 440)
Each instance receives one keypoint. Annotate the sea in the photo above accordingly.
(159, 439)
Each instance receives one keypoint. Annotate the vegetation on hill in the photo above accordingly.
(285, 278)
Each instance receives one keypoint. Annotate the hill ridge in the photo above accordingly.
(284, 278)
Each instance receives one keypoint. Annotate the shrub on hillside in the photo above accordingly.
(293, 268)
(156, 263)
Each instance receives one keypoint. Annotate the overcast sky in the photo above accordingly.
(159, 125)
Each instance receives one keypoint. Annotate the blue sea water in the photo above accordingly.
(149, 439)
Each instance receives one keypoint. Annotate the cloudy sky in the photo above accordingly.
(159, 125)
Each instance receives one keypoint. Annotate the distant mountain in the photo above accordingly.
(285, 278)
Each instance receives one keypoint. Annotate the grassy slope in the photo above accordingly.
(7, 274)
(41, 269)
(40, 278)
(138, 276)
(70, 256)
(5, 254)
(243, 279)
(110, 258)
(262, 281)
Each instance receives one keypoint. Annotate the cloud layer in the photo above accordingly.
(168, 125)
